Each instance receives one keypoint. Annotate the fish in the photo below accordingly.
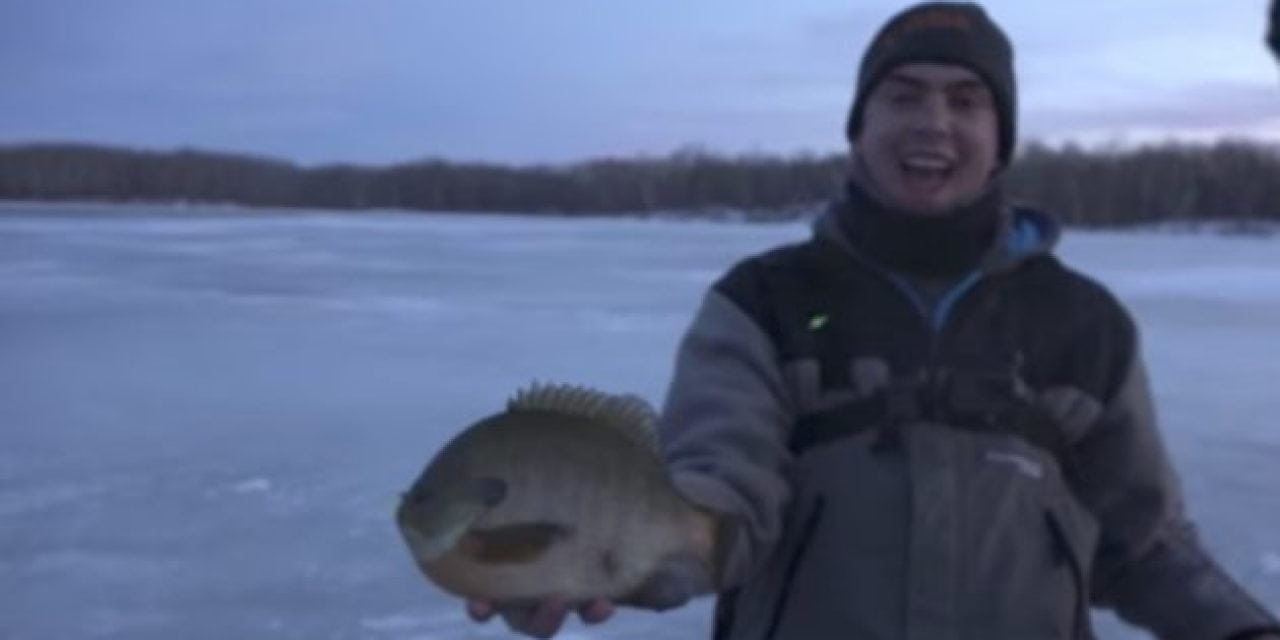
(562, 494)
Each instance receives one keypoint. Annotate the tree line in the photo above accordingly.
(1230, 180)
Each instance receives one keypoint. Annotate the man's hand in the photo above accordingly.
(542, 620)
(676, 581)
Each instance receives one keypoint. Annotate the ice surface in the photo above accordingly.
(205, 420)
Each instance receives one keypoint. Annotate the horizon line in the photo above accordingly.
(693, 150)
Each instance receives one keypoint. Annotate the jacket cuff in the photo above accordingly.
(710, 494)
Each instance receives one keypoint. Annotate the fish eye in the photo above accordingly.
(492, 490)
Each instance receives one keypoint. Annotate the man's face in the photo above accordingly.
(930, 137)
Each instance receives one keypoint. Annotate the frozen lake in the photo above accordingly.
(206, 416)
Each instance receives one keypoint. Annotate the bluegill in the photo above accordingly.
(563, 494)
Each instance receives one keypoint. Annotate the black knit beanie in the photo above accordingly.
(957, 33)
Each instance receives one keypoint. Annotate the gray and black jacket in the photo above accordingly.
(981, 465)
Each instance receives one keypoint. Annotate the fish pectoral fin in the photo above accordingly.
(513, 544)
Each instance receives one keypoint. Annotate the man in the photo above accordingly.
(919, 424)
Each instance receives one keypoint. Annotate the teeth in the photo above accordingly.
(929, 163)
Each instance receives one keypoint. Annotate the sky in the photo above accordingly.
(379, 82)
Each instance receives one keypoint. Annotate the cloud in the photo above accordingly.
(846, 31)
(1207, 104)
(492, 79)
(1207, 109)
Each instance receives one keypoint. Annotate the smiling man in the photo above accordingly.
(920, 424)
(966, 447)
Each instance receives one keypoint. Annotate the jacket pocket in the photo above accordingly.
(808, 527)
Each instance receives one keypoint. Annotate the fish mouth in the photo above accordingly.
(433, 522)
(425, 549)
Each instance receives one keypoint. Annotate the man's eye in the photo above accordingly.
(968, 101)
(904, 99)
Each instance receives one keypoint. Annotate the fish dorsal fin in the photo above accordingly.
(628, 413)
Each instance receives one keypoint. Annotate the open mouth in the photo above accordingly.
(927, 170)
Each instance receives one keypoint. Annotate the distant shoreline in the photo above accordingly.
(1235, 181)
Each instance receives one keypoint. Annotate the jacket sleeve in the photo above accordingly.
(724, 430)
(1150, 566)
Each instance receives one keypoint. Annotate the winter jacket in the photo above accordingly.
(880, 492)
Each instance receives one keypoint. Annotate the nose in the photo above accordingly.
(934, 116)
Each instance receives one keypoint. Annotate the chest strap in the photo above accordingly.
(982, 402)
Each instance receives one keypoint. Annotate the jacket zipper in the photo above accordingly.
(934, 326)
(793, 565)
(1080, 610)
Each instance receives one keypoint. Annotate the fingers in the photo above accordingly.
(540, 621)
(660, 593)
(480, 610)
(596, 611)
